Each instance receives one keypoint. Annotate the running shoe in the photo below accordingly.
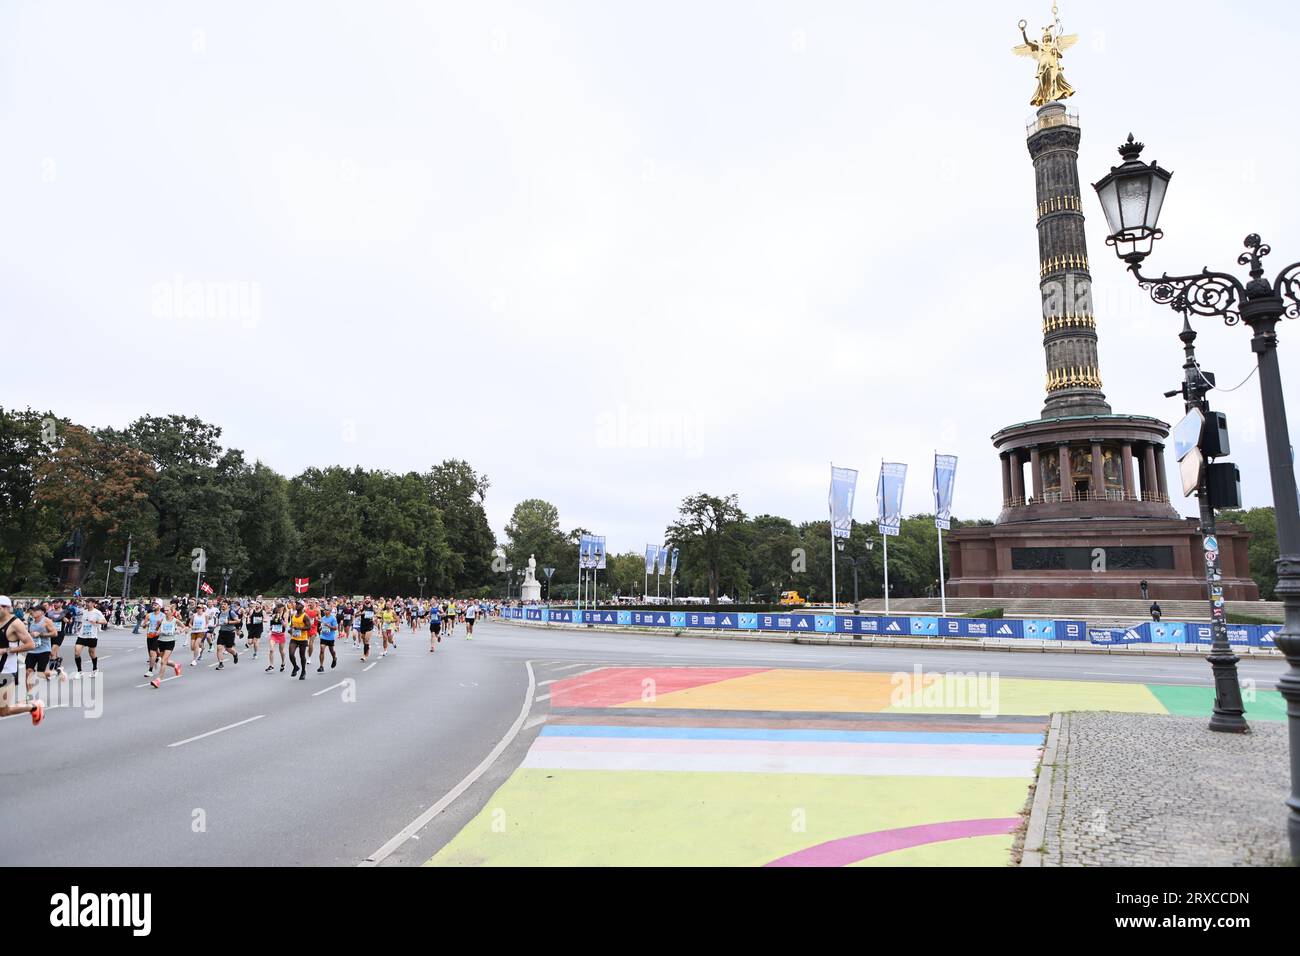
(155, 683)
(38, 713)
(176, 667)
(221, 665)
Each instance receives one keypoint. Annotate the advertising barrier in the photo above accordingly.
(1148, 632)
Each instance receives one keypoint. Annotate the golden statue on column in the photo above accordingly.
(1048, 51)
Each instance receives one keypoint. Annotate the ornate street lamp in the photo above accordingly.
(1131, 196)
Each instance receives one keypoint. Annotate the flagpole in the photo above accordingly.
(885, 539)
(834, 592)
(943, 600)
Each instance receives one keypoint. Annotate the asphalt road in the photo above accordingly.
(244, 768)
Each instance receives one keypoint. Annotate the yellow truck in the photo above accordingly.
(791, 599)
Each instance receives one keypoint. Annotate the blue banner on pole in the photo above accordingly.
(844, 485)
(889, 496)
(945, 475)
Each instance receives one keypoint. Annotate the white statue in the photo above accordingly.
(530, 591)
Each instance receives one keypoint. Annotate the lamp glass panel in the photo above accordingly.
(1133, 194)
(1158, 186)
(1109, 196)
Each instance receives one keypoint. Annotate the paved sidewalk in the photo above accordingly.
(1148, 790)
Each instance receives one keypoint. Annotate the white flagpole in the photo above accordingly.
(834, 593)
(885, 539)
(943, 599)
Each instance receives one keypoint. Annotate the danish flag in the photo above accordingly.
(300, 584)
(205, 587)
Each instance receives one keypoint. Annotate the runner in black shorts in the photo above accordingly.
(367, 625)
(435, 627)
(256, 621)
(43, 632)
(228, 620)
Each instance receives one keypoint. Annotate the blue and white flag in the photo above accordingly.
(674, 565)
(599, 556)
(584, 549)
(945, 475)
(663, 560)
(844, 485)
(889, 496)
(651, 554)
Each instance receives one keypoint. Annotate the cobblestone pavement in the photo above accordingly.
(1145, 790)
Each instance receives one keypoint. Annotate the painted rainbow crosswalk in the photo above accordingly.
(681, 766)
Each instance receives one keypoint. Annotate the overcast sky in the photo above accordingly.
(614, 253)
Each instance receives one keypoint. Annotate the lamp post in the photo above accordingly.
(835, 598)
(509, 577)
(422, 581)
(857, 562)
(1131, 196)
(327, 580)
(225, 580)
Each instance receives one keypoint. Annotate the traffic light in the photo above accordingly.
(1214, 435)
(1223, 481)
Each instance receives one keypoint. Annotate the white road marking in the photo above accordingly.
(370, 665)
(163, 681)
(330, 688)
(419, 823)
(545, 683)
(568, 667)
(190, 740)
(534, 721)
(541, 697)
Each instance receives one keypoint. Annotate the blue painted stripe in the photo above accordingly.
(768, 733)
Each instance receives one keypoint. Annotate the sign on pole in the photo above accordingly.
(844, 485)
(889, 496)
(945, 476)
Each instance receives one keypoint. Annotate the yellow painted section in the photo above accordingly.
(952, 694)
(637, 818)
(858, 692)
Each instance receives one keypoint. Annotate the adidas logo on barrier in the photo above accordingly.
(725, 622)
(803, 623)
(893, 626)
(1005, 629)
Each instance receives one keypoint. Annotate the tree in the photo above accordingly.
(98, 486)
(534, 529)
(267, 530)
(1262, 525)
(707, 531)
(195, 496)
(28, 531)
(459, 491)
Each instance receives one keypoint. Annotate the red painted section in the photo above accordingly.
(625, 685)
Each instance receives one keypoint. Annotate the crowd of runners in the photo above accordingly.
(294, 633)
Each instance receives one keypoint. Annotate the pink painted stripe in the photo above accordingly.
(806, 748)
(848, 850)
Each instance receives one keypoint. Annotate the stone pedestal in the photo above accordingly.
(530, 591)
(1095, 558)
